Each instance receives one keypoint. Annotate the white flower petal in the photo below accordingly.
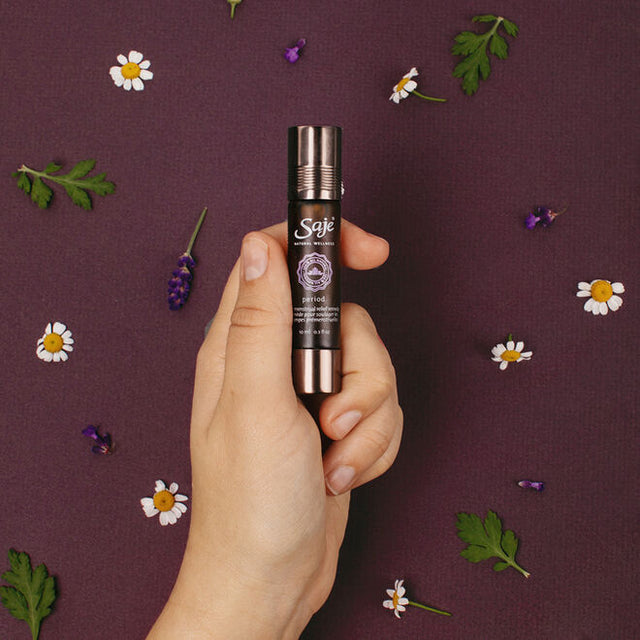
(403, 93)
(56, 356)
(401, 591)
(40, 346)
(603, 308)
(173, 487)
(400, 608)
(390, 593)
(526, 354)
(160, 486)
(411, 86)
(413, 72)
(145, 64)
(135, 57)
(67, 347)
(520, 346)
(177, 513)
(63, 356)
(138, 85)
(498, 349)
(614, 302)
(595, 309)
(118, 80)
(589, 304)
(617, 287)
(403, 601)
(511, 345)
(583, 294)
(503, 365)
(146, 75)
(180, 498)
(47, 329)
(172, 518)
(127, 84)
(180, 507)
(164, 518)
(122, 59)
(396, 98)
(496, 359)
(115, 72)
(146, 501)
(584, 286)
(396, 612)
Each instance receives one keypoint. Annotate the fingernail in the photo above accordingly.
(255, 258)
(344, 423)
(340, 479)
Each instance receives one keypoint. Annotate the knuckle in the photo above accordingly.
(377, 442)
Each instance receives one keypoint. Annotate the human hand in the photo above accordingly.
(268, 510)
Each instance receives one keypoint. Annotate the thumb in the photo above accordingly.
(258, 354)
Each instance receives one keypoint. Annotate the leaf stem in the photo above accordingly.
(195, 231)
(424, 606)
(57, 179)
(415, 93)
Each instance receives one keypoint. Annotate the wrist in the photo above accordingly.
(213, 601)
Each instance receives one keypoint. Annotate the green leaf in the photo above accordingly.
(509, 543)
(23, 182)
(488, 17)
(473, 46)
(476, 553)
(498, 46)
(486, 540)
(81, 169)
(32, 592)
(41, 194)
(52, 167)
(98, 184)
(510, 28)
(79, 196)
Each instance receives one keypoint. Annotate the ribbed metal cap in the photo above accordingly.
(315, 163)
(317, 371)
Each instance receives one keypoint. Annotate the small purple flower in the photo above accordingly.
(180, 282)
(531, 484)
(293, 53)
(103, 443)
(542, 215)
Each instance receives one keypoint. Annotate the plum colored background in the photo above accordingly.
(448, 184)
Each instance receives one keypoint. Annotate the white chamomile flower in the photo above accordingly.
(55, 343)
(166, 502)
(407, 86)
(398, 601)
(601, 296)
(510, 352)
(132, 72)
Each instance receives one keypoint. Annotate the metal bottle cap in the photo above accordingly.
(317, 371)
(315, 166)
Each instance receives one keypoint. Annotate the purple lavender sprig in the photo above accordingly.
(180, 282)
(531, 484)
(103, 443)
(293, 53)
(542, 216)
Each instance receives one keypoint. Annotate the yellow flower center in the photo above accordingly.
(163, 500)
(53, 342)
(601, 291)
(396, 597)
(510, 355)
(130, 70)
(402, 83)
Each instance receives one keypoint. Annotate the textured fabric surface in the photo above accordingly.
(448, 184)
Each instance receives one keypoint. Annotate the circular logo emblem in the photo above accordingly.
(314, 272)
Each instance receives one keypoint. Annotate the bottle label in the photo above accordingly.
(314, 272)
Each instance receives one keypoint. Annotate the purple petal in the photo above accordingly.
(90, 432)
(531, 221)
(291, 54)
(531, 484)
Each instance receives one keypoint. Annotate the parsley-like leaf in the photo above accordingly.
(474, 47)
(77, 183)
(32, 592)
(487, 540)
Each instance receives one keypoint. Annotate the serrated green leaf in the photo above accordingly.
(509, 543)
(467, 42)
(470, 528)
(500, 566)
(493, 525)
(52, 167)
(510, 27)
(23, 182)
(476, 553)
(79, 196)
(498, 46)
(32, 594)
(15, 602)
(484, 67)
(40, 193)
(81, 169)
(488, 17)
(98, 184)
